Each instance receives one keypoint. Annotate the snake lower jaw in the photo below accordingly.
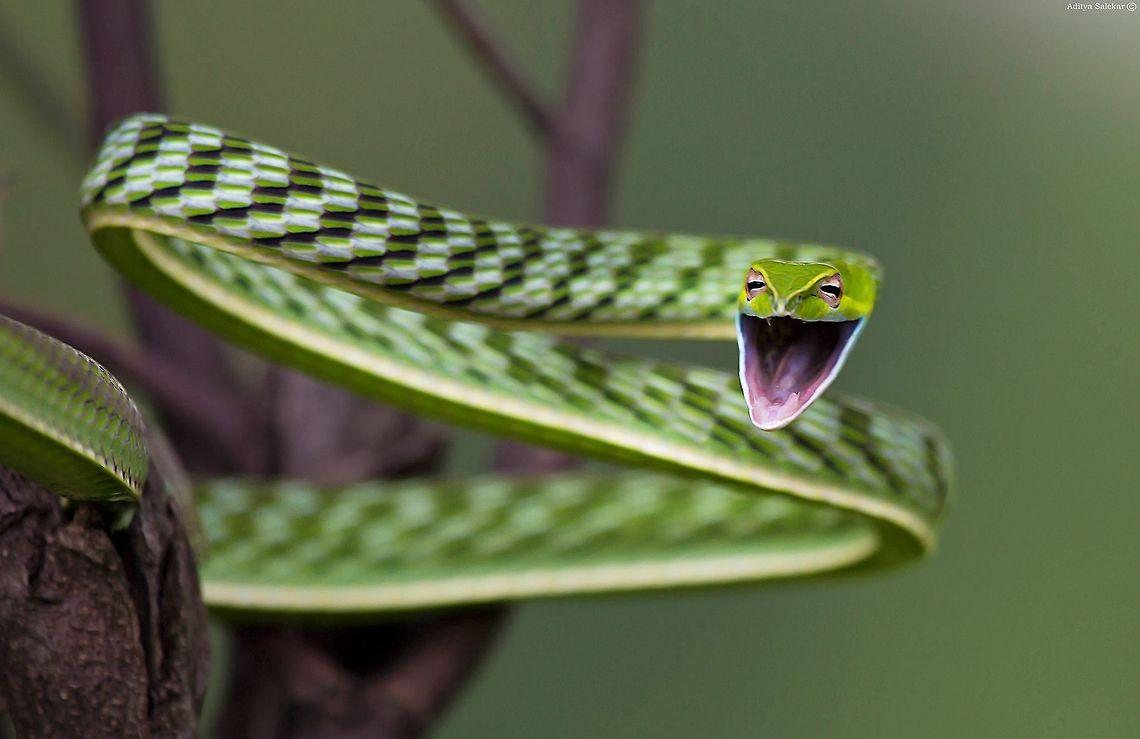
(786, 363)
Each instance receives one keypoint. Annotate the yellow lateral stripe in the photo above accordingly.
(542, 582)
(703, 330)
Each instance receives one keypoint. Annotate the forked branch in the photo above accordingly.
(504, 72)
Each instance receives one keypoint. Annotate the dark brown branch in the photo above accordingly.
(438, 661)
(504, 72)
(39, 95)
(71, 654)
(122, 73)
(583, 143)
(103, 636)
(122, 79)
(393, 680)
(331, 436)
(162, 575)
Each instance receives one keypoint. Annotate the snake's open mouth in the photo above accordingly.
(785, 363)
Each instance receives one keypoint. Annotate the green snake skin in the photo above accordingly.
(405, 302)
(290, 547)
(65, 421)
(230, 191)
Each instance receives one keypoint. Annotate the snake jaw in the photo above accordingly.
(785, 363)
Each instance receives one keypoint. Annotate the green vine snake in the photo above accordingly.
(724, 477)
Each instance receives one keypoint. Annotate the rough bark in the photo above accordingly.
(104, 635)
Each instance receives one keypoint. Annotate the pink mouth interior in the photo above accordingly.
(785, 363)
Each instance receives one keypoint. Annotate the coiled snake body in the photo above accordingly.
(455, 317)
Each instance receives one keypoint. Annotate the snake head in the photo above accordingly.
(796, 323)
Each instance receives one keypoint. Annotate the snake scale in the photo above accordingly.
(459, 318)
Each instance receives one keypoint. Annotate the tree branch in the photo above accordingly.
(122, 79)
(582, 146)
(437, 662)
(122, 73)
(393, 680)
(71, 649)
(102, 635)
(503, 71)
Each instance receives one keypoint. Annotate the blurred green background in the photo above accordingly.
(986, 152)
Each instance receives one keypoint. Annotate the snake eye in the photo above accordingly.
(755, 284)
(831, 291)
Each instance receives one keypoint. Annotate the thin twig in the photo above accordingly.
(40, 95)
(583, 144)
(503, 71)
(122, 76)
